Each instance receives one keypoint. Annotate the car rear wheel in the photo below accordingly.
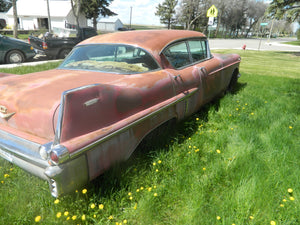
(63, 53)
(15, 56)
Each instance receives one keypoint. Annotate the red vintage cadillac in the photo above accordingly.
(70, 124)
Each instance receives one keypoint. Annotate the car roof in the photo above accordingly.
(152, 40)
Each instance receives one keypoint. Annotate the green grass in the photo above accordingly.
(234, 161)
(293, 43)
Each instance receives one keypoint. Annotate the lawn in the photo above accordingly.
(236, 161)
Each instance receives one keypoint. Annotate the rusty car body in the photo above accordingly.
(70, 124)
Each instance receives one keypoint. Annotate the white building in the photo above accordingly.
(109, 24)
(33, 14)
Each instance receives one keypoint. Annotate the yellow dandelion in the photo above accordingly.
(2, 181)
(56, 201)
(218, 217)
(154, 186)
(203, 168)
(93, 206)
(130, 198)
(58, 215)
(83, 217)
(84, 191)
(94, 215)
(159, 161)
(290, 127)
(149, 189)
(251, 217)
(6, 175)
(142, 188)
(74, 217)
(101, 206)
(237, 109)
(197, 118)
(156, 170)
(137, 190)
(155, 194)
(124, 221)
(66, 213)
(218, 151)
(154, 164)
(129, 193)
(190, 138)
(252, 113)
(281, 205)
(37, 219)
(110, 217)
(284, 200)
(135, 206)
(290, 190)
(68, 218)
(230, 115)
(273, 222)
(190, 146)
(292, 198)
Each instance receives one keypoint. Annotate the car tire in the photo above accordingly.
(15, 56)
(63, 53)
(233, 82)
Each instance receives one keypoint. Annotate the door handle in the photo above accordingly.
(177, 76)
(203, 70)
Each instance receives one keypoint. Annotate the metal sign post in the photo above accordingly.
(212, 12)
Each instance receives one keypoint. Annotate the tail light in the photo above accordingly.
(45, 46)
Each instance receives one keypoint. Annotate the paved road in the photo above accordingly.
(255, 44)
(251, 44)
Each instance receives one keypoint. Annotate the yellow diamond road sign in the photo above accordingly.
(212, 11)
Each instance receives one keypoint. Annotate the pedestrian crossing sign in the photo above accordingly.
(212, 11)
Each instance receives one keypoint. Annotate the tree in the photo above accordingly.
(255, 12)
(15, 31)
(76, 4)
(5, 5)
(93, 8)
(166, 12)
(288, 9)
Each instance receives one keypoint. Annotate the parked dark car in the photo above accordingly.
(59, 47)
(14, 51)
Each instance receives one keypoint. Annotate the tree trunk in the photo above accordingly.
(14, 3)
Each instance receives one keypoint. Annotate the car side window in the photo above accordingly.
(178, 55)
(198, 50)
(186, 53)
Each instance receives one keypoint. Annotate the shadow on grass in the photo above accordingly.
(291, 53)
(116, 178)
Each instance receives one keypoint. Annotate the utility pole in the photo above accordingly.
(49, 18)
(130, 16)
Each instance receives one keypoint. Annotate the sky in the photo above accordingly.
(143, 11)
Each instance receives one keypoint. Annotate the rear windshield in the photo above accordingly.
(112, 58)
